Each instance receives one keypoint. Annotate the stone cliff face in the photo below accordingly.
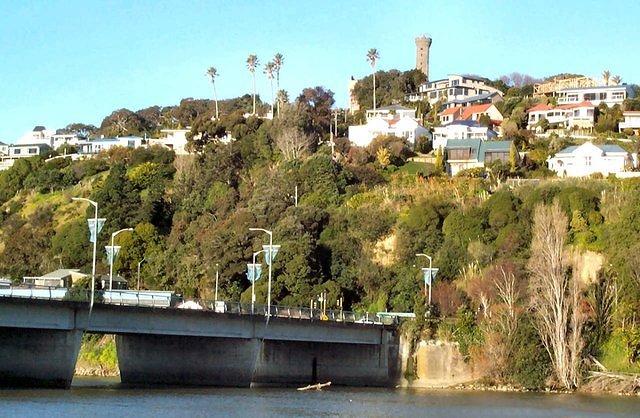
(437, 364)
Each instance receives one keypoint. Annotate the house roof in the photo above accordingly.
(61, 273)
(36, 144)
(394, 107)
(539, 107)
(606, 148)
(620, 86)
(475, 98)
(39, 128)
(478, 147)
(450, 111)
(469, 111)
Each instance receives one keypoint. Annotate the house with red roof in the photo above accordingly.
(579, 116)
(472, 113)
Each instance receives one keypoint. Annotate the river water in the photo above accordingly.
(105, 398)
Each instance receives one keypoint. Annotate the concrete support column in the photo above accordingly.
(38, 357)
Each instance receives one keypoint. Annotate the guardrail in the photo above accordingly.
(168, 300)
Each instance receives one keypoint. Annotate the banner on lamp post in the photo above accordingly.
(112, 252)
(253, 272)
(92, 228)
(429, 274)
(270, 253)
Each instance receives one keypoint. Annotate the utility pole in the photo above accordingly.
(217, 276)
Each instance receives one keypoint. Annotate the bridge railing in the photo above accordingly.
(168, 300)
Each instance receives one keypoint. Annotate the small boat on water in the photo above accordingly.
(317, 386)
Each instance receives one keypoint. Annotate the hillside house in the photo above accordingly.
(588, 158)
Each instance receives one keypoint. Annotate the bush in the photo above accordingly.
(529, 364)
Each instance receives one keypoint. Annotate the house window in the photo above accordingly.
(16, 151)
(590, 112)
(589, 96)
(455, 82)
(572, 97)
(491, 156)
(33, 150)
(617, 95)
(587, 161)
(460, 154)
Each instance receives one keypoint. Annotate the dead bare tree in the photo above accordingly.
(293, 143)
(555, 295)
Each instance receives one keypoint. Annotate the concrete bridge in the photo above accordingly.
(40, 340)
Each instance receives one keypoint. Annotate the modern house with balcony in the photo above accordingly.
(174, 139)
(388, 120)
(463, 154)
(103, 144)
(579, 116)
(609, 95)
(454, 87)
(588, 158)
(631, 121)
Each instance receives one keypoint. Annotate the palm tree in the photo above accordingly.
(212, 72)
(282, 97)
(616, 79)
(278, 60)
(372, 57)
(252, 64)
(269, 70)
(606, 74)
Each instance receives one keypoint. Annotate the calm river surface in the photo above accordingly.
(104, 398)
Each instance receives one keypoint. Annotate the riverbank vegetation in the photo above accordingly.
(535, 279)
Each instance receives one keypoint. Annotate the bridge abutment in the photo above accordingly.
(38, 357)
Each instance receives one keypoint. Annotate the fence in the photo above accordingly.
(168, 300)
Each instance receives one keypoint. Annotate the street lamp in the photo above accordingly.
(93, 234)
(430, 276)
(270, 253)
(215, 295)
(112, 255)
(139, 264)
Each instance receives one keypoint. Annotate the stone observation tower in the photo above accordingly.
(423, 43)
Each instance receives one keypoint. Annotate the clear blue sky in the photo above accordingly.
(76, 61)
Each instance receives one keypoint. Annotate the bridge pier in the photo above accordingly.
(303, 362)
(185, 360)
(38, 357)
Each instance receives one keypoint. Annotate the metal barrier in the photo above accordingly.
(168, 300)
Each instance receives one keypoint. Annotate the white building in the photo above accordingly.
(610, 95)
(103, 144)
(4, 149)
(631, 121)
(578, 116)
(59, 140)
(388, 120)
(17, 151)
(588, 158)
(39, 135)
(454, 87)
(461, 129)
(174, 139)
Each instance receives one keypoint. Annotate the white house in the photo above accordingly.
(631, 121)
(589, 158)
(4, 150)
(58, 140)
(578, 116)
(461, 129)
(39, 135)
(454, 87)
(97, 145)
(610, 95)
(388, 120)
(174, 139)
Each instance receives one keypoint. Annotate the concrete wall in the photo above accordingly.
(38, 357)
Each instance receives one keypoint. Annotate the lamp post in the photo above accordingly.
(139, 264)
(270, 255)
(215, 295)
(94, 235)
(430, 276)
(112, 256)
